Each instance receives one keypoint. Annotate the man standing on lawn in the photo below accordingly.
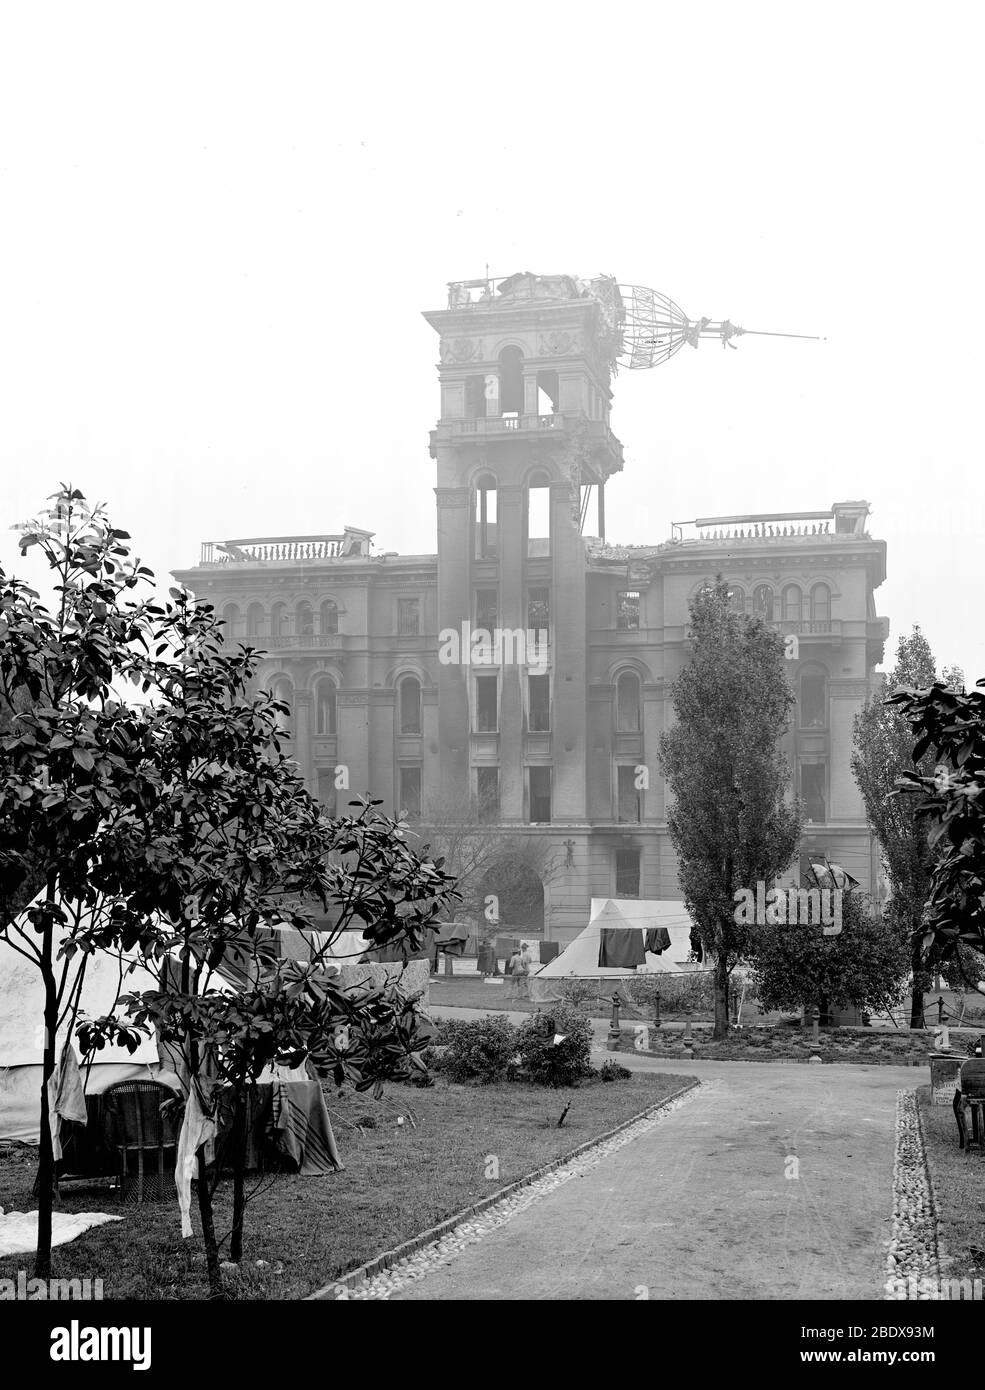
(521, 972)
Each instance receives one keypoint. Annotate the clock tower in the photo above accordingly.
(523, 449)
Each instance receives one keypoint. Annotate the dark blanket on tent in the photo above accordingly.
(620, 949)
(657, 940)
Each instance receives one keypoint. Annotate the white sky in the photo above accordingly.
(220, 223)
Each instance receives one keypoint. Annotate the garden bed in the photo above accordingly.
(871, 1046)
(458, 1144)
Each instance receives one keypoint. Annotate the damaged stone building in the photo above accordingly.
(387, 661)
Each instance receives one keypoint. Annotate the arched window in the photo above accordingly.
(329, 618)
(231, 619)
(304, 620)
(628, 703)
(511, 381)
(254, 620)
(283, 690)
(813, 699)
(409, 694)
(326, 701)
(792, 604)
(485, 517)
(762, 602)
(278, 620)
(820, 607)
(548, 393)
(538, 514)
(737, 598)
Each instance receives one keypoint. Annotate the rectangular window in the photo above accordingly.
(539, 704)
(812, 787)
(538, 520)
(627, 873)
(487, 793)
(408, 617)
(628, 610)
(539, 610)
(485, 520)
(326, 789)
(629, 796)
(410, 705)
(410, 792)
(475, 397)
(539, 785)
(486, 704)
(486, 609)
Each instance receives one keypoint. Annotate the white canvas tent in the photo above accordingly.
(106, 977)
(580, 958)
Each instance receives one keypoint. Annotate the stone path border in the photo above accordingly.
(414, 1258)
(913, 1258)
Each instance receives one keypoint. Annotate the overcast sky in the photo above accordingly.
(220, 224)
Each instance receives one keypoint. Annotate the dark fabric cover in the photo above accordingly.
(621, 949)
(657, 940)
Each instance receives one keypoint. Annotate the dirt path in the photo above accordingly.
(773, 1181)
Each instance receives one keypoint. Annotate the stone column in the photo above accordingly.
(454, 590)
(302, 738)
(512, 615)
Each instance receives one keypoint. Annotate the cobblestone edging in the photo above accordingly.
(913, 1257)
(414, 1258)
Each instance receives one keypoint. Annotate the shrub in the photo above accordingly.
(477, 1052)
(691, 993)
(556, 1064)
(613, 1071)
(581, 991)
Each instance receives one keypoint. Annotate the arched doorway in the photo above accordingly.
(519, 892)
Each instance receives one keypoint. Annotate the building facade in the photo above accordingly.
(524, 670)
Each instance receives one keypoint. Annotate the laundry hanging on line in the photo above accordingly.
(657, 940)
(620, 949)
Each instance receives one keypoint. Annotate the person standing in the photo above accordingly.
(514, 969)
(522, 972)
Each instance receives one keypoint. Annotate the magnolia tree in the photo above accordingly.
(173, 831)
(730, 821)
(949, 726)
(77, 768)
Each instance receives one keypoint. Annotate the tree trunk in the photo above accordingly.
(721, 999)
(239, 1177)
(204, 1190)
(46, 1155)
(208, 1228)
(921, 981)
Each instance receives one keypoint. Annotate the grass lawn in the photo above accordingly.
(468, 992)
(399, 1180)
(959, 1190)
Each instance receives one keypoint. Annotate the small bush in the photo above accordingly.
(556, 1064)
(581, 992)
(679, 994)
(476, 1053)
(613, 1071)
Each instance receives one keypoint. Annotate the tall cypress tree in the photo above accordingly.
(731, 821)
(883, 751)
